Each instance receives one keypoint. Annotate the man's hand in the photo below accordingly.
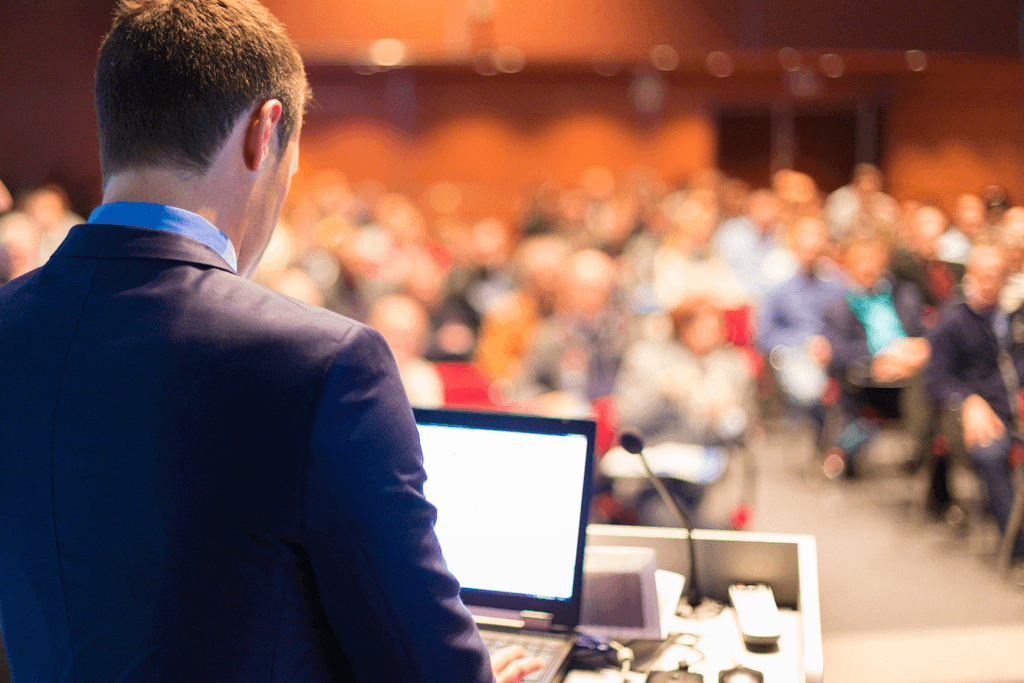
(981, 425)
(5, 199)
(818, 348)
(900, 360)
(511, 665)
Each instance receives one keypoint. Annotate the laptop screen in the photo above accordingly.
(511, 493)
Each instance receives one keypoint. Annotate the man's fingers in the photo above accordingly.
(506, 655)
(518, 669)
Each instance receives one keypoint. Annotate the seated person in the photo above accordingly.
(19, 241)
(862, 196)
(918, 261)
(404, 324)
(1012, 295)
(753, 246)
(964, 374)
(792, 326)
(691, 388)
(686, 263)
(507, 331)
(576, 353)
(875, 332)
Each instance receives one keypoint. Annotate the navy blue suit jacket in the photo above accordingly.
(203, 480)
(965, 358)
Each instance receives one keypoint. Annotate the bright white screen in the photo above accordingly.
(508, 506)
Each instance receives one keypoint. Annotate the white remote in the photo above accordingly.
(756, 613)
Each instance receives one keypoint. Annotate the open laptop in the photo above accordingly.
(513, 496)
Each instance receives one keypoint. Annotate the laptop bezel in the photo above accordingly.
(565, 613)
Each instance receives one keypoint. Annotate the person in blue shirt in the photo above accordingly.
(752, 248)
(791, 331)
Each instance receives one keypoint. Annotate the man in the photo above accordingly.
(954, 246)
(878, 349)
(918, 264)
(967, 375)
(576, 353)
(751, 248)
(203, 480)
(792, 324)
(863, 196)
(507, 332)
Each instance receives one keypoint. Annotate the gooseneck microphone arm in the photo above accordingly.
(633, 443)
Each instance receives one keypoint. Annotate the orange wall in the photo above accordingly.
(496, 141)
(957, 132)
(567, 29)
(575, 29)
(947, 129)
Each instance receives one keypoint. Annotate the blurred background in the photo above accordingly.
(590, 208)
(931, 91)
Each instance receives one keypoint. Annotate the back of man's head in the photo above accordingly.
(173, 76)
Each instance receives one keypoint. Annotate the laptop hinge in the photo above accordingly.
(517, 619)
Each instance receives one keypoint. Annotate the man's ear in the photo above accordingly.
(259, 136)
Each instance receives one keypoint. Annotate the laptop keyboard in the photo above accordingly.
(535, 646)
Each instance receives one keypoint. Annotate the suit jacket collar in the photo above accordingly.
(97, 240)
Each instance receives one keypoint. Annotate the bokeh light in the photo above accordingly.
(916, 60)
(664, 57)
(509, 59)
(832, 65)
(719, 64)
(789, 59)
(387, 52)
(648, 93)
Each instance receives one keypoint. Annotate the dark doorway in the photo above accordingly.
(824, 141)
(745, 145)
(825, 146)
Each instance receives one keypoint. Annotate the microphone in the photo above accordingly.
(633, 443)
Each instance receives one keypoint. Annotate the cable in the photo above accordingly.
(625, 657)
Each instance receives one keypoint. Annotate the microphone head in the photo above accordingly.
(631, 441)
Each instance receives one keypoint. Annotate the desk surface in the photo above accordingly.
(718, 639)
(787, 563)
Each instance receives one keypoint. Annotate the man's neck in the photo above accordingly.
(178, 189)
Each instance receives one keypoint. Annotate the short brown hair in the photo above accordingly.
(173, 76)
(866, 231)
(685, 313)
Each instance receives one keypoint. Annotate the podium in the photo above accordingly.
(786, 562)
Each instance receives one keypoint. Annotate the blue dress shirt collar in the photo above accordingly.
(170, 218)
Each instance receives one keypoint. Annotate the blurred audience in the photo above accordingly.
(403, 323)
(621, 293)
(862, 197)
(576, 353)
(508, 330)
(753, 247)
